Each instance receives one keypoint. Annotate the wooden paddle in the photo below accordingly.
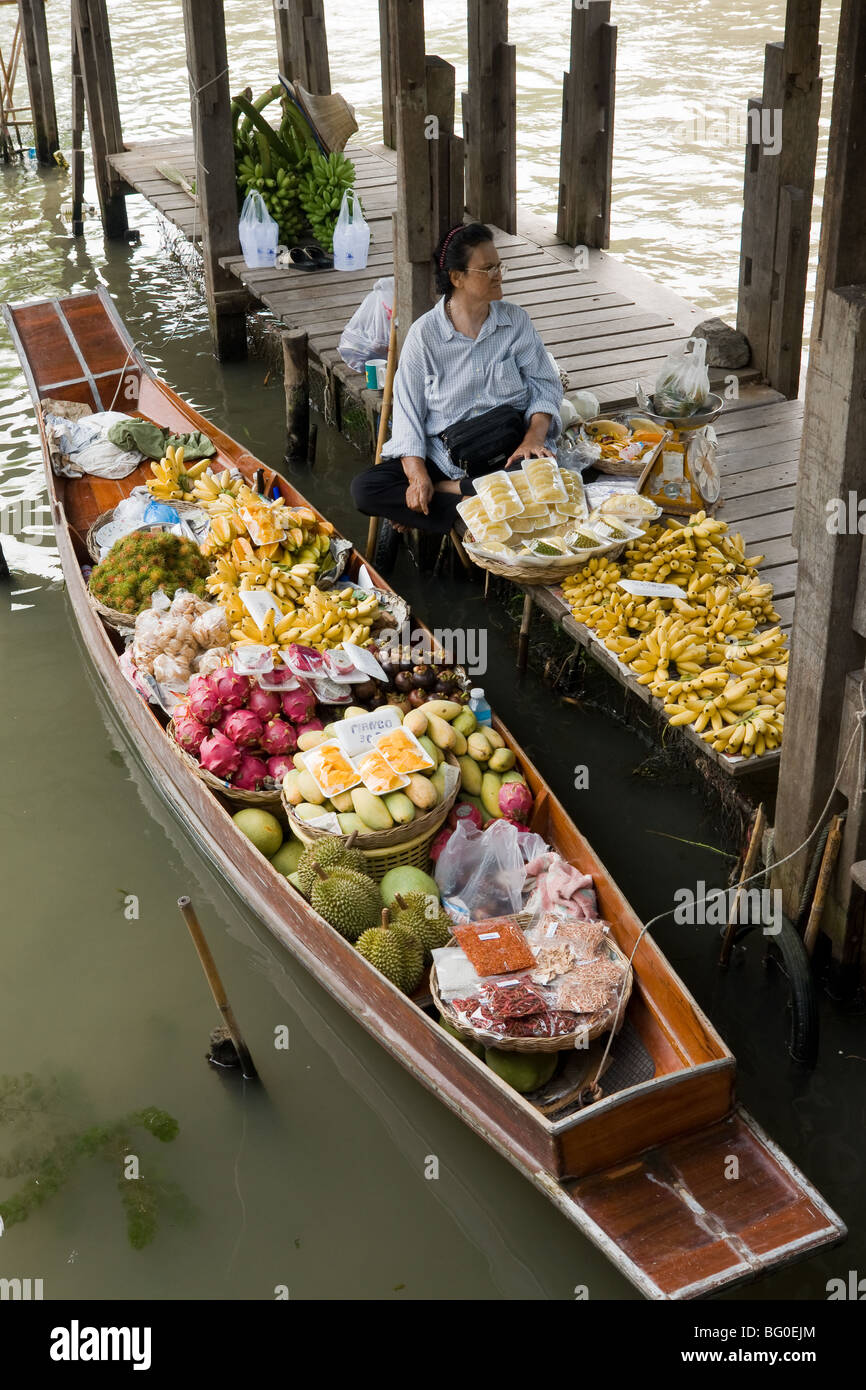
(217, 988)
(387, 397)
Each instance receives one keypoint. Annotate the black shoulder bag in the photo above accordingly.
(484, 443)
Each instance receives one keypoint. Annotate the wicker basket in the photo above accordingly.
(537, 569)
(594, 1024)
(124, 623)
(387, 849)
(263, 801)
(104, 518)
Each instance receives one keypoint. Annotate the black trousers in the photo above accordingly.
(381, 491)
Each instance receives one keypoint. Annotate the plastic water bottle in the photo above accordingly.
(480, 707)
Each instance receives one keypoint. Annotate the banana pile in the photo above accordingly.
(702, 655)
(252, 527)
(311, 616)
(321, 192)
(171, 482)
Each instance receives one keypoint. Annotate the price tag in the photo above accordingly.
(644, 589)
(358, 735)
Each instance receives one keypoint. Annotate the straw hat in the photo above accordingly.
(331, 117)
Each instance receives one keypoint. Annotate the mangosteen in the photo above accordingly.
(423, 677)
(406, 658)
(390, 664)
(367, 690)
(418, 697)
(446, 680)
(403, 681)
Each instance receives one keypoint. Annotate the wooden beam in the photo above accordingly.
(389, 77)
(216, 188)
(93, 40)
(40, 83)
(825, 647)
(76, 153)
(444, 160)
(413, 221)
(302, 44)
(842, 253)
(586, 150)
(489, 117)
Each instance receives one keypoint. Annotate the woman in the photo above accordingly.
(470, 353)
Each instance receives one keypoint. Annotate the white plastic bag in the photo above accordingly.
(481, 873)
(683, 384)
(258, 232)
(351, 235)
(368, 331)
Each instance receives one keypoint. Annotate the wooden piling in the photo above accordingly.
(217, 989)
(76, 153)
(490, 117)
(40, 83)
(446, 149)
(389, 77)
(216, 187)
(93, 39)
(413, 221)
(586, 148)
(302, 44)
(296, 378)
(777, 199)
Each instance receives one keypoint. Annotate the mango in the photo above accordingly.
(430, 749)
(438, 780)
(512, 777)
(291, 790)
(421, 792)
(461, 747)
(353, 712)
(470, 775)
(478, 748)
(400, 808)
(416, 722)
(372, 809)
(308, 788)
(307, 811)
(442, 709)
(465, 723)
(493, 738)
(349, 822)
(342, 801)
(441, 733)
(501, 760)
(311, 739)
(490, 784)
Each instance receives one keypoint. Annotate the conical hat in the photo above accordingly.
(330, 116)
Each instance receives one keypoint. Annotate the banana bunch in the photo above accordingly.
(318, 618)
(171, 482)
(321, 192)
(209, 487)
(701, 655)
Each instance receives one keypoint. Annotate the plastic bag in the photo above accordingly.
(683, 384)
(368, 331)
(258, 232)
(351, 235)
(480, 873)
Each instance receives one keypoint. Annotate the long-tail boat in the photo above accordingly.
(645, 1170)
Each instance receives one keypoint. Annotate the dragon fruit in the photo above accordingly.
(439, 843)
(232, 688)
(250, 776)
(204, 703)
(515, 801)
(243, 727)
(464, 810)
(264, 703)
(219, 755)
(310, 727)
(298, 705)
(189, 732)
(278, 737)
(279, 766)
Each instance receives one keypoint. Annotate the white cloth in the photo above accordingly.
(82, 447)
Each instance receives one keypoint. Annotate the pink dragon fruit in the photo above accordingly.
(204, 703)
(264, 703)
(279, 766)
(439, 843)
(299, 705)
(278, 737)
(189, 732)
(232, 688)
(515, 801)
(243, 727)
(250, 776)
(219, 755)
(464, 810)
(310, 727)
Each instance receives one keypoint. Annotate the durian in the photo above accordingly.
(329, 854)
(414, 953)
(426, 919)
(348, 900)
(395, 952)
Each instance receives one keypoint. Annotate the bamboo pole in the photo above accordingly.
(828, 864)
(749, 863)
(217, 988)
(387, 396)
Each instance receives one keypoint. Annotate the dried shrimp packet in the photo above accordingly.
(591, 987)
(483, 530)
(498, 496)
(512, 997)
(545, 481)
(495, 945)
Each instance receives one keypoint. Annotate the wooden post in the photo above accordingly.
(389, 77)
(216, 189)
(40, 83)
(217, 989)
(586, 150)
(93, 39)
(490, 117)
(777, 199)
(76, 153)
(413, 222)
(446, 148)
(296, 379)
(302, 44)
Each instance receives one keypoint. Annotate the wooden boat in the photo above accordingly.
(643, 1171)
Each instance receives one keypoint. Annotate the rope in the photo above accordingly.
(858, 729)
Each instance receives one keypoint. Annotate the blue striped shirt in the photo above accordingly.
(443, 377)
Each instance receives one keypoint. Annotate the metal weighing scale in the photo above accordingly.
(683, 476)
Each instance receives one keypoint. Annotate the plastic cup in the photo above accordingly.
(375, 372)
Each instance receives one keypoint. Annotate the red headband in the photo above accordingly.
(453, 232)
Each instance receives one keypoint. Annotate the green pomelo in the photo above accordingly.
(525, 1071)
(263, 829)
(285, 861)
(476, 1047)
(406, 879)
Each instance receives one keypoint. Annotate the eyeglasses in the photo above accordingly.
(493, 272)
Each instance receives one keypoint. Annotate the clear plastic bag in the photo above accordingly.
(368, 331)
(480, 873)
(258, 232)
(351, 235)
(683, 384)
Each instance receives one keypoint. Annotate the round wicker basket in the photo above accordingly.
(263, 801)
(537, 569)
(592, 1026)
(104, 518)
(122, 622)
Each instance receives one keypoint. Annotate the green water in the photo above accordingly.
(315, 1180)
